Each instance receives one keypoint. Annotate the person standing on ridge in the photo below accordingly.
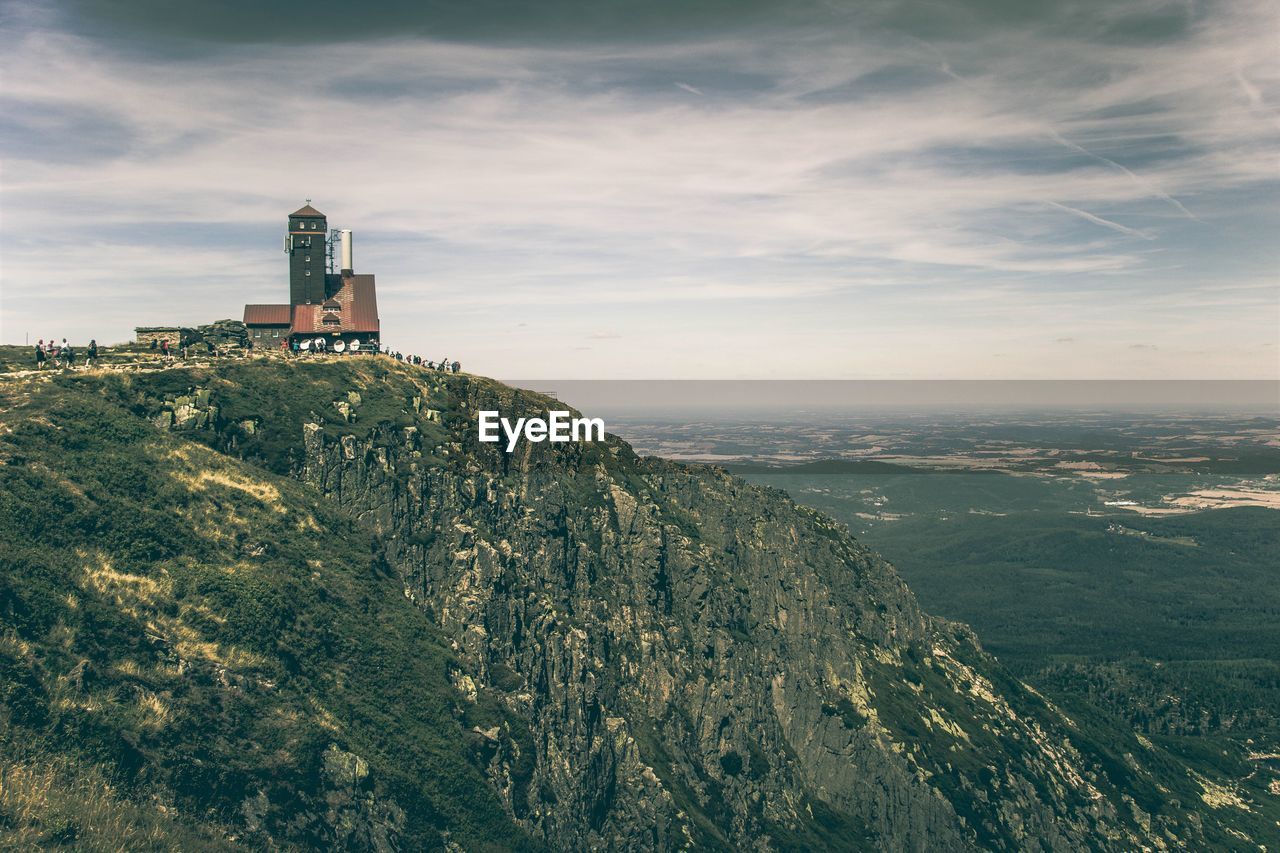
(40, 357)
(91, 354)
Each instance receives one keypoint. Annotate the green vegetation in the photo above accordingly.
(197, 650)
(1167, 625)
(55, 802)
(211, 640)
(1108, 612)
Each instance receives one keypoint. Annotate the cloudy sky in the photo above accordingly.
(666, 189)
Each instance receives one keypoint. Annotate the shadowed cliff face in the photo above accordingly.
(626, 653)
(693, 659)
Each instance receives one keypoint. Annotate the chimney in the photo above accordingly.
(347, 266)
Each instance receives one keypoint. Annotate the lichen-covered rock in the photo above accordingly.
(192, 411)
(223, 334)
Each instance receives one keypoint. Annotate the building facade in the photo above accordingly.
(338, 311)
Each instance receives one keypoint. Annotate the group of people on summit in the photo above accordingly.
(63, 354)
(443, 365)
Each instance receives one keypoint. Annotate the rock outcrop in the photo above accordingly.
(696, 661)
(222, 334)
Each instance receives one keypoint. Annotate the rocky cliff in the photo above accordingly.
(693, 660)
(640, 654)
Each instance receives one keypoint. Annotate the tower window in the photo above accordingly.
(308, 272)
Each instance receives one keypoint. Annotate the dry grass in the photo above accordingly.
(155, 713)
(127, 589)
(197, 468)
(141, 597)
(57, 804)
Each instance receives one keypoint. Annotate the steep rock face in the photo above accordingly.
(695, 661)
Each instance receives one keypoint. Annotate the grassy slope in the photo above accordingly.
(206, 634)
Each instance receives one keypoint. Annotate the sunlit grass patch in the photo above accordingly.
(54, 802)
(197, 474)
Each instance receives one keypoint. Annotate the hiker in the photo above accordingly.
(457, 366)
(153, 343)
(164, 349)
(91, 354)
(68, 355)
(40, 356)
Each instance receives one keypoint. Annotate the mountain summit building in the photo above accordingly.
(334, 307)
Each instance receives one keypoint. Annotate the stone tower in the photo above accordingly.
(305, 243)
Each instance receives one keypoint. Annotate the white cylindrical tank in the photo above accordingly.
(347, 265)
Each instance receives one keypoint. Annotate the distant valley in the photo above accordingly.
(1122, 564)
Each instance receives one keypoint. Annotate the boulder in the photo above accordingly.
(223, 334)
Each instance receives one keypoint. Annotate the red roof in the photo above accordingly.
(357, 309)
(267, 315)
(306, 210)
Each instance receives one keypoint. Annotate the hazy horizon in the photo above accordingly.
(763, 397)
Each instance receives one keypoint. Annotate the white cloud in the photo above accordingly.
(487, 179)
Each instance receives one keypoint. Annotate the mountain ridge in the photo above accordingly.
(619, 651)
